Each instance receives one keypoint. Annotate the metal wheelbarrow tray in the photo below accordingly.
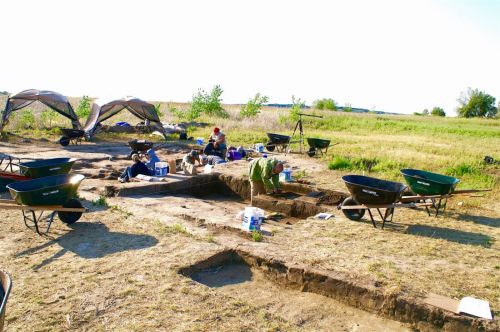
(47, 167)
(372, 193)
(52, 193)
(74, 136)
(433, 187)
(5, 287)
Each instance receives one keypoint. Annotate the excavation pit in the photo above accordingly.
(295, 203)
(289, 289)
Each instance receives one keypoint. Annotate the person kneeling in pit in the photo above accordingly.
(188, 162)
(264, 176)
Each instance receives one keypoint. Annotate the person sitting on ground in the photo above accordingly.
(210, 150)
(264, 176)
(188, 162)
(218, 138)
(152, 159)
(137, 168)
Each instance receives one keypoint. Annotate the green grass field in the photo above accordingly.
(379, 145)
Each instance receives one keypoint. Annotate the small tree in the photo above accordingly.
(158, 110)
(208, 103)
(83, 109)
(47, 117)
(476, 104)
(438, 111)
(425, 112)
(253, 106)
(347, 107)
(297, 105)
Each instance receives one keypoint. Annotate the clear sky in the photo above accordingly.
(395, 56)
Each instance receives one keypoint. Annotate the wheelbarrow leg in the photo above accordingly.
(371, 217)
(438, 207)
(388, 213)
(445, 202)
(35, 221)
(49, 222)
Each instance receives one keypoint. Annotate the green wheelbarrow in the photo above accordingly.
(46, 167)
(433, 187)
(318, 145)
(52, 193)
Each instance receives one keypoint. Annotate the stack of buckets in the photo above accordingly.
(252, 218)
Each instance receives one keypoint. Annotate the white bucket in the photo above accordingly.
(208, 168)
(161, 168)
(286, 175)
(252, 219)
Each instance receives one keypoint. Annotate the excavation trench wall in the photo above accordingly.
(305, 203)
(367, 296)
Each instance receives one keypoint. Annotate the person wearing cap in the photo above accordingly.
(264, 176)
(188, 162)
(152, 159)
(218, 138)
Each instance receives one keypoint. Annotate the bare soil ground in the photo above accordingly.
(117, 268)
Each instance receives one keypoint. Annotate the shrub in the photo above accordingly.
(325, 104)
(319, 104)
(347, 107)
(438, 111)
(462, 169)
(27, 119)
(208, 103)
(257, 236)
(341, 163)
(83, 109)
(101, 201)
(253, 106)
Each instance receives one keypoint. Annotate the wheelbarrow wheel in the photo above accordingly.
(132, 153)
(311, 152)
(70, 217)
(270, 147)
(64, 141)
(354, 215)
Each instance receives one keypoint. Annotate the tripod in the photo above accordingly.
(299, 126)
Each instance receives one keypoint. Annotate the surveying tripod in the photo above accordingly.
(299, 126)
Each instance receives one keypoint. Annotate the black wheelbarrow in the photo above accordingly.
(139, 147)
(55, 193)
(372, 193)
(277, 141)
(74, 136)
(317, 144)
